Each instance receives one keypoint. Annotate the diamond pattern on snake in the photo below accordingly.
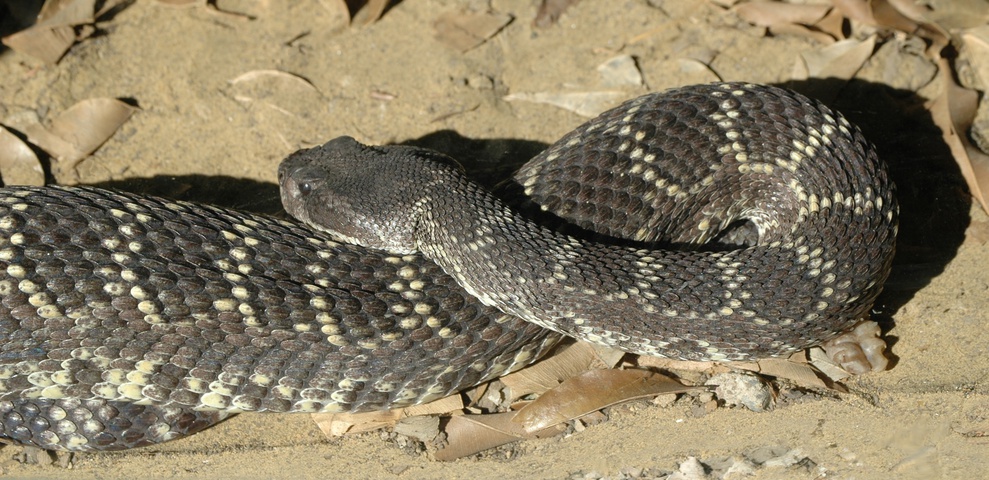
(756, 222)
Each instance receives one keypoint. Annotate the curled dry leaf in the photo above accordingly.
(585, 104)
(953, 112)
(275, 75)
(465, 30)
(55, 31)
(18, 163)
(590, 391)
(80, 130)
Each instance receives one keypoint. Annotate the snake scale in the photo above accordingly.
(761, 222)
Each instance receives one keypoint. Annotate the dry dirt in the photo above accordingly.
(199, 135)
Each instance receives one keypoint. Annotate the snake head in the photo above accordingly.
(370, 196)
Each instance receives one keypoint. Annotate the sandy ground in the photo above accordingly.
(199, 135)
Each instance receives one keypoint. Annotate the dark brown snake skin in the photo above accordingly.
(715, 162)
(120, 314)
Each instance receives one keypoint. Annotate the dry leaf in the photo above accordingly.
(590, 391)
(369, 13)
(790, 19)
(620, 71)
(770, 14)
(832, 24)
(286, 93)
(823, 363)
(550, 11)
(801, 31)
(699, 71)
(284, 104)
(337, 424)
(276, 75)
(80, 130)
(798, 372)
(953, 112)
(470, 434)
(585, 104)
(464, 31)
(18, 163)
(567, 362)
(54, 32)
(895, 14)
(840, 60)
(277, 88)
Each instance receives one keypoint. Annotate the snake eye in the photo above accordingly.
(305, 188)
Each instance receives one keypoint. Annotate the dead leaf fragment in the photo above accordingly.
(80, 130)
(18, 163)
(566, 363)
(275, 75)
(699, 71)
(470, 434)
(905, 16)
(338, 424)
(798, 372)
(283, 103)
(953, 112)
(369, 12)
(819, 22)
(550, 11)
(464, 30)
(55, 31)
(620, 71)
(590, 391)
(770, 14)
(840, 60)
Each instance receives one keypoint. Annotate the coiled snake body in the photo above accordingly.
(127, 320)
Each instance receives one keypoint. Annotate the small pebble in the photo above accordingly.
(742, 389)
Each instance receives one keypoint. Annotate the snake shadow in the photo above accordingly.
(934, 199)
(935, 202)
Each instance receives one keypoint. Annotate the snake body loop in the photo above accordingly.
(127, 320)
(798, 207)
